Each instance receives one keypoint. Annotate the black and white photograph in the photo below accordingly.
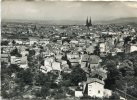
(68, 50)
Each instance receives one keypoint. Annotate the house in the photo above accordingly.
(95, 88)
(78, 93)
(133, 48)
(113, 51)
(47, 61)
(94, 61)
(58, 57)
(90, 49)
(74, 42)
(56, 66)
(74, 62)
(118, 50)
(72, 55)
(102, 47)
(15, 60)
(24, 62)
(50, 64)
(99, 73)
(84, 58)
(44, 41)
(65, 48)
(18, 41)
(33, 40)
(5, 57)
(84, 62)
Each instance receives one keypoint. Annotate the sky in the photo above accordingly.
(64, 10)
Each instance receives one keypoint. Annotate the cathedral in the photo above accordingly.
(88, 22)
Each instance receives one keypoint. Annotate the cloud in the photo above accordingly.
(67, 10)
(131, 4)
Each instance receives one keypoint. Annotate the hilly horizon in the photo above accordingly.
(75, 22)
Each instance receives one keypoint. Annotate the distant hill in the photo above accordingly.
(120, 21)
(48, 22)
(76, 22)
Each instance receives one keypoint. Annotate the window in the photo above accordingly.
(98, 91)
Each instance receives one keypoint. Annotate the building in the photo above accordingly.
(90, 50)
(33, 40)
(44, 41)
(15, 60)
(94, 61)
(56, 66)
(88, 22)
(5, 57)
(102, 47)
(95, 88)
(133, 48)
(22, 62)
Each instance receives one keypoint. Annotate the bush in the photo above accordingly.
(86, 97)
(60, 96)
(4, 43)
(72, 93)
(114, 96)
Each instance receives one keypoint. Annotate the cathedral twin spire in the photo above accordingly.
(88, 22)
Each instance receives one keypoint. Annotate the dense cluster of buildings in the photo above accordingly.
(79, 45)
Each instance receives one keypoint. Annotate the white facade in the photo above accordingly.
(56, 66)
(133, 48)
(107, 93)
(32, 41)
(95, 89)
(78, 94)
(102, 47)
(21, 61)
(112, 33)
(74, 41)
(24, 66)
(15, 60)
(47, 65)
(19, 41)
(72, 56)
(45, 41)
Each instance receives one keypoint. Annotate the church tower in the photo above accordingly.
(88, 22)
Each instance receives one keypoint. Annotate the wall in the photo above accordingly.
(95, 89)
(78, 94)
(133, 48)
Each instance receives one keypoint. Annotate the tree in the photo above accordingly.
(77, 75)
(4, 43)
(97, 50)
(15, 52)
(113, 75)
(25, 76)
(66, 59)
(13, 68)
(43, 92)
(127, 39)
(31, 52)
(42, 79)
(13, 42)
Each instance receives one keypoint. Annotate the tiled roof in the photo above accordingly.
(91, 80)
(85, 57)
(93, 59)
